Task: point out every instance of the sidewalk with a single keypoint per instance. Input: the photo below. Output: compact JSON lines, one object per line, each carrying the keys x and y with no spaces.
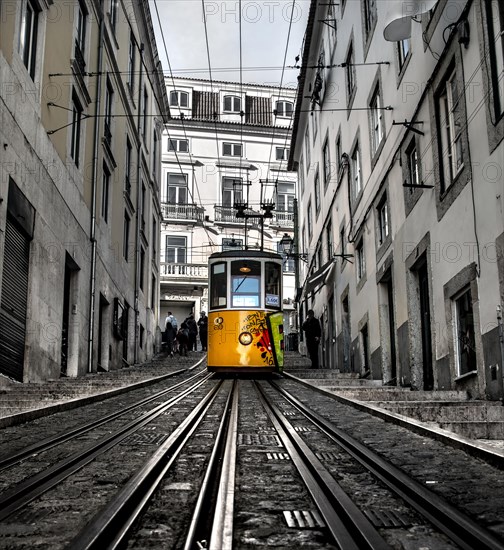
{"x":23,"y":402}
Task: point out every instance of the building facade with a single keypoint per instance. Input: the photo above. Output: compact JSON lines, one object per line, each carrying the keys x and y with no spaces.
{"x":400,"y":154}
{"x":82,"y":105}
{"x":226,"y":145}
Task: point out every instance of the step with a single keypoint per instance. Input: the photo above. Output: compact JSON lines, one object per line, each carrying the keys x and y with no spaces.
{"x":447,"y":411}
{"x":388,"y":393}
{"x":476,"y":430}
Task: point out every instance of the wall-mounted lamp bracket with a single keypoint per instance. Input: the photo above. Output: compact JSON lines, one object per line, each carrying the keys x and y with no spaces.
{"x":409,"y":125}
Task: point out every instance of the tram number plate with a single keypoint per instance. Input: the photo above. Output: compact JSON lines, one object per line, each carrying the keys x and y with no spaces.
{"x":273,"y":300}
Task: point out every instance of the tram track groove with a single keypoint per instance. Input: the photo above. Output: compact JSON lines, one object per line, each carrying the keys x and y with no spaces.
{"x":349,"y":527}
{"x":456,"y":525}
{"x":21,"y":494}
{"x":111,"y":525}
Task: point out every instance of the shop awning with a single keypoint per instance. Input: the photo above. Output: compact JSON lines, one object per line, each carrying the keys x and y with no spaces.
{"x":320,"y":277}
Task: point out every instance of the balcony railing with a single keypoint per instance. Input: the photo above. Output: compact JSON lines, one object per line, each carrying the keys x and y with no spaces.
{"x":189,"y":272}
{"x":189,"y":212}
{"x":282,"y":219}
{"x":227,"y":214}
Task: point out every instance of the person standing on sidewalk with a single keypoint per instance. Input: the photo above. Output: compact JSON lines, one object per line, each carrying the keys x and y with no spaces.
{"x":193,"y":333}
{"x":313,"y":332}
{"x":203,"y":330}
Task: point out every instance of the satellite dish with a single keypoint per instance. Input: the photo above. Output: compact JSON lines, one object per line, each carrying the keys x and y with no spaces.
{"x":398,"y":17}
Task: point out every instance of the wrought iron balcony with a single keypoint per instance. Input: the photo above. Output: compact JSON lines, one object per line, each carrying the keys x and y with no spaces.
{"x":282,"y":219}
{"x":186,"y":272}
{"x":227,"y":214}
{"x":186,"y":212}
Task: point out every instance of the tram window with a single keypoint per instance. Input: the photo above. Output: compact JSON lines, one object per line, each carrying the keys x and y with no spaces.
{"x":218,"y":286}
{"x":272,"y":285}
{"x":245,"y":283}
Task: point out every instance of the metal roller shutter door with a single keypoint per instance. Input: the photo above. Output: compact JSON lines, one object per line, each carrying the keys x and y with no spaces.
{"x":13,"y":302}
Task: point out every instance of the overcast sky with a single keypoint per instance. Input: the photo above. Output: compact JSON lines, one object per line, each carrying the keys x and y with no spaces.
{"x":264,"y":30}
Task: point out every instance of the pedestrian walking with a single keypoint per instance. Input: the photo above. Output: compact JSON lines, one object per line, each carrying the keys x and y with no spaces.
{"x":183,"y":339}
{"x":313,"y":332}
{"x":169,"y":337}
{"x":203,"y":330}
{"x":193,"y":332}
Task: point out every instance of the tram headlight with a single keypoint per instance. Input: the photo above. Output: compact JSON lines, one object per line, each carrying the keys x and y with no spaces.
{"x":245,"y":338}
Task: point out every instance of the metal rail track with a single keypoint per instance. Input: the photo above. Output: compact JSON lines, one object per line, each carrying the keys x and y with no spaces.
{"x":40,"y":446}
{"x":216,"y":497}
{"x":111,"y":526}
{"x":348,"y":526}
{"x":457,"y":526}
{"x":20,"y":495}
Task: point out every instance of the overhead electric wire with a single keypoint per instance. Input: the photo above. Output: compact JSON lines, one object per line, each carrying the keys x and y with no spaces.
{"x":280,"y":89}
{"x":185,"y":134}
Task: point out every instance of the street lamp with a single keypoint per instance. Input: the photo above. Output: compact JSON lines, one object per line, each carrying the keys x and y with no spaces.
{"x":287,"y":248}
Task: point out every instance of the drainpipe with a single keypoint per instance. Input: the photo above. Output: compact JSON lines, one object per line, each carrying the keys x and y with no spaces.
{"x":501,"y":335}
{"x":94,"y":184}
{"x":296,"y":271}
{"x":139,"y":205}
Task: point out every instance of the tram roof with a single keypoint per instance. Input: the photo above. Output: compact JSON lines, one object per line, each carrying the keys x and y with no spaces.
{"x":244,"y":254}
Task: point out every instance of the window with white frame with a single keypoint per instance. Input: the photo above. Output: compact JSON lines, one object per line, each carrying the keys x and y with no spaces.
{"x":127,"y":168}
{"x":28,"y":35}
{"x":109,"y":105}
{"x":282,"y":153}
{"x":145,"y":112}
{"x":464,"y":327}
{"x":403,"y":50}
{"x":316,"y":192}
{"x":179,"y":99}
{"x":232,"y":149}
{"x":451,"y":124}
{"x":326,"y":162}
{"x":376,"y":114}
{"x":370,"y":16}
{"x":329,"y":240}
{"x":383,"y":220}
{"x":350,"y":73}
{"x":126,"y":235}
{"x":412,"y":159}
{"x":113,"y":14}
{"x":177,"y":188}
{"x":131,"y":62}
{"x":232,"y":104}
{"x":360,"y":260}
{"x":76,"y":128}
{"x":176,"y":249}
{"x":232,"y":191}
{"x":80,"y":39}
{"x":495,"y":23}
{"x":307,"y":147}
{"x":339,"y":154}
{"x":105,"y":193}
{"x":285,"y":197}
{"x":309,"y":218}
{"x":301,"y":175}
{"x":284,"y":108}
{"x":355,"y":172}
{"x":178,"y":145}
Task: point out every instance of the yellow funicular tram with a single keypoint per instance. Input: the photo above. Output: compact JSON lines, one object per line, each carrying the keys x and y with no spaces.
{"x":245,"y":318}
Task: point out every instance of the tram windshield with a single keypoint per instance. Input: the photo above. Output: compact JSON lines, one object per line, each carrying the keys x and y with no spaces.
{"x":245,"y":284}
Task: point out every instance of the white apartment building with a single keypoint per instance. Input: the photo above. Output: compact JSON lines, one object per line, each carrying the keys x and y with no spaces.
{"x":226,"y":145}
{"x":400,"y":154}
